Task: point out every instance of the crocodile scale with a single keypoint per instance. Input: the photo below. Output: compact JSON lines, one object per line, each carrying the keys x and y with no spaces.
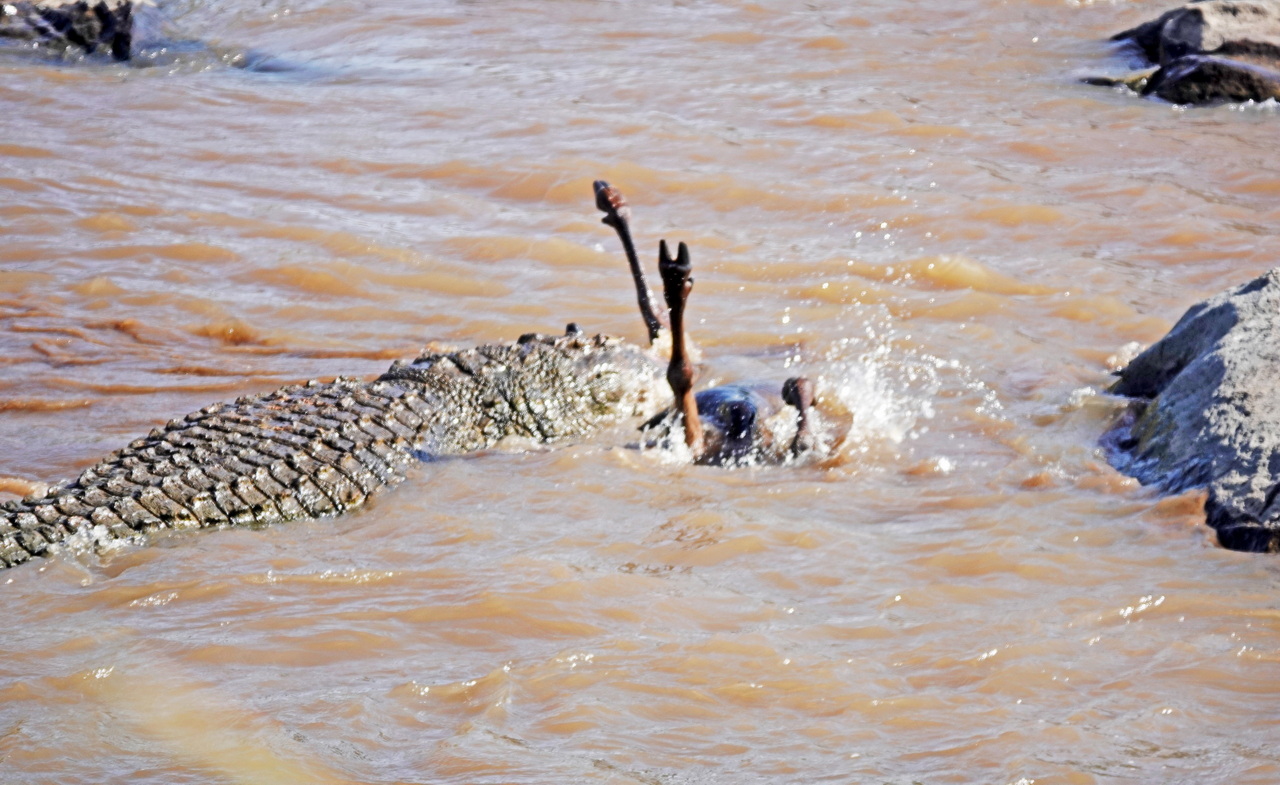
{"x":102,"y":25}
{"x":318,"y":449}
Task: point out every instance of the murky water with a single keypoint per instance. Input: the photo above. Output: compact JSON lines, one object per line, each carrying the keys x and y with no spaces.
{"x":913,"y":202}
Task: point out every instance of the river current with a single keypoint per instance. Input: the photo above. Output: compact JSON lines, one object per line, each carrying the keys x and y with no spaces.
{"x":916,"y":204}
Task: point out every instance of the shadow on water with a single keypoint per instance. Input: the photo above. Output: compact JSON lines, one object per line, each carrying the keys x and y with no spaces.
{"x":187,"y":56}
{"x":197,"y":56}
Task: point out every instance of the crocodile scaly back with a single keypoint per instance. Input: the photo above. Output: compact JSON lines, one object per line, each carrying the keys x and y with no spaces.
{"x":318,"y":449}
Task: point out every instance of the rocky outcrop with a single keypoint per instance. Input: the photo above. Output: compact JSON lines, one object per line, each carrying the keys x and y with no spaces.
{"x":1210,"y":51}
{"x":104,"y":26}
{"x":1196,"y":79}
{"x":1207,"y":412}
{"x":320,"y":449}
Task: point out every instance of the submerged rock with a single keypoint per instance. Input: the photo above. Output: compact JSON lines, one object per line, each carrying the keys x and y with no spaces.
{"x":103,"y":26}
{"x":1208,"y":51}
{"x":1207,"y":412}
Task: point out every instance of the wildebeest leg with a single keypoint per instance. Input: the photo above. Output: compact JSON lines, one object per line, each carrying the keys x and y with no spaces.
{"x":677,"y":281}
{"x":798,"y":392}
{"x":618,"y":215}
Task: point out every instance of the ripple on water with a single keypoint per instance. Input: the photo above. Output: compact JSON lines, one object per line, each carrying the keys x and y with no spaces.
{"x":954,"y":238}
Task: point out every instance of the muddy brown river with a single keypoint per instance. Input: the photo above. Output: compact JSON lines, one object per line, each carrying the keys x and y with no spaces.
{"x":916,"y":204}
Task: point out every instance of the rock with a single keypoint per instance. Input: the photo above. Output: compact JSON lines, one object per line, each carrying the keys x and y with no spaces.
{"x":1196,"y":79}
{"x":1208,"y":413}
{"x":103,"y":26}
{"x":1247,"y":29}
{"x":1209,"y":51}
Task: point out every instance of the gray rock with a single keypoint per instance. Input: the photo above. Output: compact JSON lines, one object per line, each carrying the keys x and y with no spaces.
{"x":104,"y":26}
{"x":1209,"y":51}
{"x":1247,"y":29}
{"x":1196,"y":79}
{"x":1208,"y":412}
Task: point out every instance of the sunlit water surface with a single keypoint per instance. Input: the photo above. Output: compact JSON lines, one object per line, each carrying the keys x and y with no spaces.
{"x":914,"y":203}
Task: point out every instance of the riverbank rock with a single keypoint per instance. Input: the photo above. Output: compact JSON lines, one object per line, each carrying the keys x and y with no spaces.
{"x":1209,"y":51}
{"x":104,"y":26}
{"x":1207,"y":413}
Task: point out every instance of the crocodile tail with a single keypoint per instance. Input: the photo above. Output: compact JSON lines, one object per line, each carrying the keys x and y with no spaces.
{"x":16,"y":544}
{"x":300,"y":452}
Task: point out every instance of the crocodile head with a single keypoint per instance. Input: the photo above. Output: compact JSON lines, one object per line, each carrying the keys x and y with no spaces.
{"x":541,"y":387}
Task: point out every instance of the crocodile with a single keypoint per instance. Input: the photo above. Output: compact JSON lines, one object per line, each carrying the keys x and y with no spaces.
{"x":317,"y":449}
